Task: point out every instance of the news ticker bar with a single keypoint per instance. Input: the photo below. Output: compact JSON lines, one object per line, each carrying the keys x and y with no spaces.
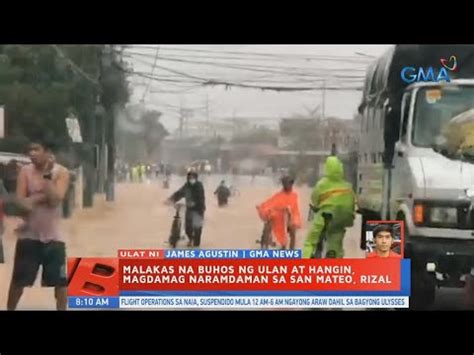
{"x":238,"y":302}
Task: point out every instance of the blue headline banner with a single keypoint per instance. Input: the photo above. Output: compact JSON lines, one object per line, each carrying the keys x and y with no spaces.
{"x":232,"y":254}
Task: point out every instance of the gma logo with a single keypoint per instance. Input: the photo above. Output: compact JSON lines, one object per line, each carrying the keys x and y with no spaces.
{"x":411,"y":74}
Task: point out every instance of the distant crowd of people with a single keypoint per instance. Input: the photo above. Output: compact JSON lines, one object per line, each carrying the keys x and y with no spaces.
{"x":141,"y":172}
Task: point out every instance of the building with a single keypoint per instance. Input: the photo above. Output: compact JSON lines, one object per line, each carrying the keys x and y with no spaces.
{"x":305,"y":143}
{"x":225,"y":127}
{"x":304,"y":134}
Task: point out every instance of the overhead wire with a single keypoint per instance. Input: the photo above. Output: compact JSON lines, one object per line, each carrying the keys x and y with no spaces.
{"x":354,"y":59}
{"x":194,"y":79}
{"x":74,"y":66}
{"x":294,"y":71}
{"x":152,"y":71}
{"x":321,"y":79}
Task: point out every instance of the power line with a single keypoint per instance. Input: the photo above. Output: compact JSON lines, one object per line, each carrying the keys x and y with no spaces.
{"x":336,"y":76}
{"x":166,"y":77}
{"x":152,"y":71}
{"x":75,"y":67}
{"x":148,"y":76}
{"x":247,"y":59}
{"x":294,"y":71}
{"x":166,"y":92}
{"x":354,"y":59}
{"x":340,"y":79}
{"x":213,"y":82}
{"x":257,"y":59}
{"x":279,"y":88}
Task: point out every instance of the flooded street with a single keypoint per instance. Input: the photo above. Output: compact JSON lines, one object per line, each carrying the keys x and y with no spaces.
{"x":138,"y":219}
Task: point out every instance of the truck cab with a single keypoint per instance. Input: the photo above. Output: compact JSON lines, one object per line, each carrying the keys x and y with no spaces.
{"x":410,"y":169}
{"x":432,"y":189}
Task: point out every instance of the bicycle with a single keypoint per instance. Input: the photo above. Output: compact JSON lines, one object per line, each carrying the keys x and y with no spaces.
{"x":234,"y":192}
{"x":321,"y":247}
{"x":266,"y":238}
{"x":176,"y":226}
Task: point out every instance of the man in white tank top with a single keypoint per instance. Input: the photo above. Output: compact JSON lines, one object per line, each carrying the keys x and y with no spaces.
{"x":40,"y":189}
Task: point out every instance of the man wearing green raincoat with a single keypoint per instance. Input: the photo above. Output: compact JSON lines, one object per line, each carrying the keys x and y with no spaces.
{"x":331,"y":195}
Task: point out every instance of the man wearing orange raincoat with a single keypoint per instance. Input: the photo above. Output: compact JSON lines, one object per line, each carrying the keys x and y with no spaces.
{"x":274,"y":210}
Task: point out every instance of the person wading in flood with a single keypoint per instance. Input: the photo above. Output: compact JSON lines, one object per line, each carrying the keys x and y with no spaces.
{"x":275,"y":208}
{"x":193,"y":192}
{"x":222,"y":192}
{"x":40,"y":190}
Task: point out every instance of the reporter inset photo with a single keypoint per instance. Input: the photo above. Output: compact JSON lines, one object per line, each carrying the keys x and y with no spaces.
{"x":384,"y":239}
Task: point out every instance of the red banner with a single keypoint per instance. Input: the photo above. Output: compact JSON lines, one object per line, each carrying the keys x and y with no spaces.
{"x":259,"y":274}
{"x":93,"y":276}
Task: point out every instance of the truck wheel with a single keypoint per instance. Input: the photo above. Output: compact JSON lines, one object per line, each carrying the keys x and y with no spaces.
{"x":469,"y":292}
{"x":423,"y":289}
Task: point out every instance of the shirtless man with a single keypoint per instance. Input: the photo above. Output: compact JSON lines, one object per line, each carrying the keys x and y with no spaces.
{"x":40,"y":189}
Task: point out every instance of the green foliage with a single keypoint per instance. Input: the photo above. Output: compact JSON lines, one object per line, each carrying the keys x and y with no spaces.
{"x":140,"y":138}
{"x":39,"y":88}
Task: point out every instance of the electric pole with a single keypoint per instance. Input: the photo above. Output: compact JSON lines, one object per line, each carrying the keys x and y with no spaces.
{"x":181,"y":119}
{"x":233,"y":124}
{"x":91,"y":162}
{"x":110,"y":131}
{"x":207,"y":116}
{"x":323,"y":104}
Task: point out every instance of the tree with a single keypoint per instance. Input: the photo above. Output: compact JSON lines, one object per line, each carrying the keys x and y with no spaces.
{"x":153,"y":132}
{"x":144,"y":130}
{"x":39,"y":88}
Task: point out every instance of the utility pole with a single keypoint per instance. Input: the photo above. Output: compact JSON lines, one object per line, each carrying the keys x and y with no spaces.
{"x":323,"y":104}
{"x":187,"y":114}
{"x":108,"y":58}
{"x":102,"y":154}
{"x":233,"y":124}
{"x":91,"y":163}
{"x":111,"y":149}
{"x":207,"y":115}
{"x":181,"y":119}
{"x":186,"y":118}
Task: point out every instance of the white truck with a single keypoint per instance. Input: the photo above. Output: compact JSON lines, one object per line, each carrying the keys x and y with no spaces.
{"x":405,"y":174}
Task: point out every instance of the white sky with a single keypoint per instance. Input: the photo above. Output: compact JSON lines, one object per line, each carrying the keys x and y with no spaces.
{"x":303,"y":65}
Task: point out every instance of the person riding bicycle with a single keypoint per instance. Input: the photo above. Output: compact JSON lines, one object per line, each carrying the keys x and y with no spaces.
{"x":273,"y":210}
{"x":332,"y":196}
{"x":193,"y":192}
{"x":223,"y":193}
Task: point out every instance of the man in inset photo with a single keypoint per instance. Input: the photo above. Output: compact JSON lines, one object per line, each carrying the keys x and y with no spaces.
{"x":383,"y":240}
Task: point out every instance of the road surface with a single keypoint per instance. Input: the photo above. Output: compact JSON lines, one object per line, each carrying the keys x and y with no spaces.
{"x":139,"y":219}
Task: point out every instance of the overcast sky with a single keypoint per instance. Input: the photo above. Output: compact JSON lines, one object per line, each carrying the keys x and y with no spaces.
{"x":338,"y":66}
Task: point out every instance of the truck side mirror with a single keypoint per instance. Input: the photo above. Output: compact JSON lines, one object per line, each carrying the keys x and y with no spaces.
{"x":400,"y":149}
{"x":386,"y":107}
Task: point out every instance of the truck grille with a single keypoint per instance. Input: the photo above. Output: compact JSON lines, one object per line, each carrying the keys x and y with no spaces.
{"x":464,"y":222}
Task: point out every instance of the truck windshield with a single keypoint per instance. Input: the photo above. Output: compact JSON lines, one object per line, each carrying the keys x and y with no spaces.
{"x":434,"y":109}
